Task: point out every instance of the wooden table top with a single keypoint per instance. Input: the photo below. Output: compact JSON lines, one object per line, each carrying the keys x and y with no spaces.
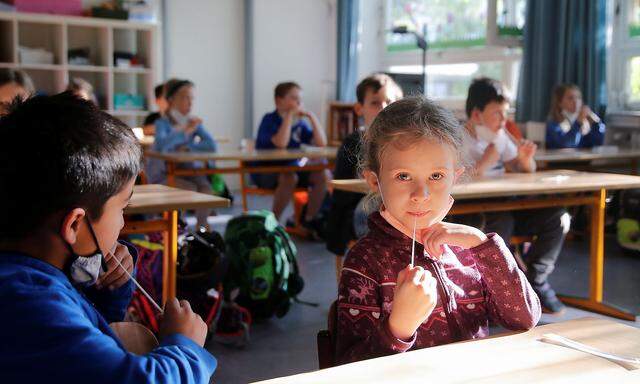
{"x":522,"y":184}
{"x":584,"y":155}
{"x":155,"y":198}
{"x":243,"y":155}
{"x":516,"y":358}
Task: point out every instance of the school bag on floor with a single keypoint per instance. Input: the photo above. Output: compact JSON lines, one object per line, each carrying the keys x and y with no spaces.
{"x":262,"y":264}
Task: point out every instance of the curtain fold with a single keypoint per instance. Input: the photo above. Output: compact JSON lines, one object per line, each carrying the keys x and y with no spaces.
{"x":348,"y":19}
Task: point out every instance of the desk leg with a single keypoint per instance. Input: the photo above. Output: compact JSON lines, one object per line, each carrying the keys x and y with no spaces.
{"x":596,"y":266}
{"x":243,"y":189}
{"x":171,"y":176}
{"x":170,"y":260}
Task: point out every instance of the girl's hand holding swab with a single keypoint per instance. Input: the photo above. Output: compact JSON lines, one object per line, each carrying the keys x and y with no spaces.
{"x":439,"y":234}
{"x":414,"y":299}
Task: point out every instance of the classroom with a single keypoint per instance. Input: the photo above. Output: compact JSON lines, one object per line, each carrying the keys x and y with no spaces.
{"x":320,"y":191}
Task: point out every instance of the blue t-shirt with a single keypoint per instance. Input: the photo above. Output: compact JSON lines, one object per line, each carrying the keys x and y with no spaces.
{"x":301,"y":133}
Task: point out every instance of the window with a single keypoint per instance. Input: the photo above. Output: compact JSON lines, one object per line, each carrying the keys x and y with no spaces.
{"x":634,"y":76}
{"x":624,"y":56}
{"x":634,"y":19}
{"x":447,"y":23}
{"x":466,"y":39}
{"x":510,"y":16}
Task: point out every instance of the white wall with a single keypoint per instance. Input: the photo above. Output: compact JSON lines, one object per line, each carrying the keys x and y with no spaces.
{"x":294,"y":40}
{"x":205,"y":44}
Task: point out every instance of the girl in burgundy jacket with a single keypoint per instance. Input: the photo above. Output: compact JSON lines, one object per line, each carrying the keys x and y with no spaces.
{"x":458,"y":278}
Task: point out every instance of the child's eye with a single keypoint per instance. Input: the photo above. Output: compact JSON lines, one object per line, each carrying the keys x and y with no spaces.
{"x":403,"y":177}
{"x":436,"y":176}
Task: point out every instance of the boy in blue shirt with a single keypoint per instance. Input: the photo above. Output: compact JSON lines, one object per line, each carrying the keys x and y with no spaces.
{"x":290,"y":126}
{"x":60,"y":282}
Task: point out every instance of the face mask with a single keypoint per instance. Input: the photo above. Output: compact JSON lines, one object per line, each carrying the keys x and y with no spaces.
{"x":180,"y":119}
{"x":485,"y":134}
{"x":85,"y":270}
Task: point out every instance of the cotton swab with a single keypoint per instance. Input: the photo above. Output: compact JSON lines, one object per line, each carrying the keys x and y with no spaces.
{"x":413,"y":243}
{"x":139,"y":286}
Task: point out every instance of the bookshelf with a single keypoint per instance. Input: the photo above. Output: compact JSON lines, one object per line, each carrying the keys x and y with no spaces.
{"x":84,"y":47}
{"x":342,"y":121}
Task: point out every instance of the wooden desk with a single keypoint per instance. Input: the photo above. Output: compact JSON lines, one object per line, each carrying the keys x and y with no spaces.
{"x":548,"y":157}
{"x":541,"y":190}
{"x":517,"y":358}
{"x":245,"y":161}
{"x":167,"y":201}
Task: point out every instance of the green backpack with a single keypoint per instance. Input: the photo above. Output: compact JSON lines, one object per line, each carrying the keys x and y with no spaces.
{"x":262,"y":264}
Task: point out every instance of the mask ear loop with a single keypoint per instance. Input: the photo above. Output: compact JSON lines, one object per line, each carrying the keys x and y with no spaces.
{"x":415,"y":224}
{"x":103,"y":263}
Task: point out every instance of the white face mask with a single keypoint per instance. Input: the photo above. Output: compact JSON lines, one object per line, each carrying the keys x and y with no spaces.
{"x":180,"y":119}
{"x":485,"y":134}
{"x":85,"y":270}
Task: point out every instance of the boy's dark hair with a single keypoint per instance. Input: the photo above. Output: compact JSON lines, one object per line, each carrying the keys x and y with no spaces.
{"x":374,"y":83}
{"x":158,"y":91}
{"x":283,"y":88}
{"x":8,"y":75}
{"x":173,"y":86}
{"x":58,"y":153}
{"x":483,"y":91}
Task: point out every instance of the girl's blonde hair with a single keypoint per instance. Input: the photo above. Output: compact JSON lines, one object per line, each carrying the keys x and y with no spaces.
{"x":555,"y":111}
{"x":406,"y":122}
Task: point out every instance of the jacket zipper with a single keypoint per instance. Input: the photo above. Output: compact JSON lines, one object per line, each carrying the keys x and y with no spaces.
{"x":448,"y":302}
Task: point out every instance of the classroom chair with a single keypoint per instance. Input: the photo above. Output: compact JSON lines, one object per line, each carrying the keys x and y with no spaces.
{"x":300,"y":199}
{"x":327,"y":339}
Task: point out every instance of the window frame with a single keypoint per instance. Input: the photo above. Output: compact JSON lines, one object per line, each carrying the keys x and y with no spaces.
{"x":622,"y":49}
{"x":504,"y":49}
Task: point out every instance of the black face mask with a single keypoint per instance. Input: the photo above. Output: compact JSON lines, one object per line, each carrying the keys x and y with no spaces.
{"x":85,"y":269}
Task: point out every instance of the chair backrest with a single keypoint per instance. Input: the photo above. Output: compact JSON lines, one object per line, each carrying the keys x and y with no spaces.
{"x":327,"y":339}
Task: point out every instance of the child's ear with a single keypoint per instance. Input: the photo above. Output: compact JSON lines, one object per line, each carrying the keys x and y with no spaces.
{"x":71,"y":224}
{"x":357,"y":108}
{"x":372,"y":179}
{"x":459,"y":172}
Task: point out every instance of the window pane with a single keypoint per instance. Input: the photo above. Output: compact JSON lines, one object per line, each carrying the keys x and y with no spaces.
{"x":449,"y":23}
{"x":510,"y":17}
{"x":451,"y":81}
{"x":634,"y":19}
{"x":634,"y":77}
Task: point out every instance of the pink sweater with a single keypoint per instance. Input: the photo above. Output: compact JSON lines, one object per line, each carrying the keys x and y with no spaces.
{"x":474,"y":285}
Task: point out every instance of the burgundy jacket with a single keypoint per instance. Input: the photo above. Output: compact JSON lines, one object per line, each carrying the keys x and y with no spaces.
{"x":474,"y":286}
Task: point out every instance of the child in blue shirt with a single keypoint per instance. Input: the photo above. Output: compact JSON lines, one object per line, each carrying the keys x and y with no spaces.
{"x":177,"y":130}
{"x":572,"y":124}
{"x":60,"y":282}
{"x":290,"y":126}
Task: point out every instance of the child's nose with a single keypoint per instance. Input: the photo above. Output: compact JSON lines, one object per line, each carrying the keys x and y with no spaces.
{"x":420,"y":194}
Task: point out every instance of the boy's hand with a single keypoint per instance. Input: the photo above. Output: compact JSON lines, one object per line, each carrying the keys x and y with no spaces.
{"x":179,"y":318}
{"x":414,"y":299}
{"x":439,"y":234}
{"x":490,"y":155}
{"x":526,"y":150}
{"x":192,"y":125}
{"x":115,"y":277}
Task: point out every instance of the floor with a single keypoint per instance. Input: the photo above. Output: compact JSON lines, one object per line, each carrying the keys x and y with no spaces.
{"x":286,"y":346}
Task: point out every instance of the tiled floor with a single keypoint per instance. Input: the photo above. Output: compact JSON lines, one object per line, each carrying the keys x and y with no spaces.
{"x":287,"y":346}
